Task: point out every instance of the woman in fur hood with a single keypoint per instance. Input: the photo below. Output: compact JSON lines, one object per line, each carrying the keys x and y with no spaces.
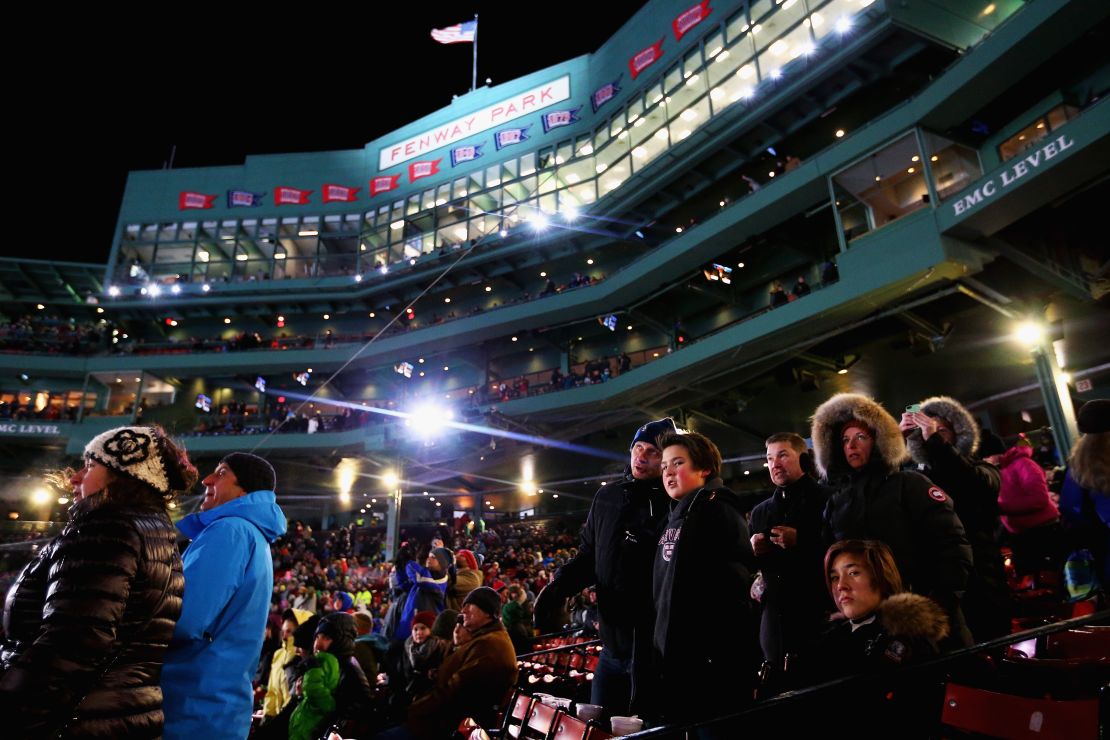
{"x":942,"y":437}
{"x":859,"y":448}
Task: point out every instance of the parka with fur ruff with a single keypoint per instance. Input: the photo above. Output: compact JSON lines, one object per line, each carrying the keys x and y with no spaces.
{"x":914,"y":517}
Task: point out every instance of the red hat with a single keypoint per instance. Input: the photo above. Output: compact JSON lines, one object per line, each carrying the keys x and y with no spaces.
{"x":467,"y":558}
{"x":426,"y":618}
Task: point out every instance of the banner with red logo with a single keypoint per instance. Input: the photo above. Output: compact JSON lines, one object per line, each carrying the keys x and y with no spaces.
{"x":689,"y":18}
{"x":645,"y":58}
{"x":383,"y":184}
{"x":426,"y":168}
{"x":339,"y":193}
{"x":287,"y":196}
{"x":188,"y":199}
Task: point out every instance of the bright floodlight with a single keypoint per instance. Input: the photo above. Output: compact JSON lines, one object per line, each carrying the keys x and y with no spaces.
{"x":570,"y":214}
{"x":428,"y":419}
{"x":539,"y":221}
{"x":390,"y":479}
{"x":528,"y":487}
{"x":113,"y":291}
{"x":843,"y":24}
{"x":1030,"y":333}
{"x":384,"y":269}
{"x":175,"y":289}
{"x":40,"y":496}
{"x":154,"y":291}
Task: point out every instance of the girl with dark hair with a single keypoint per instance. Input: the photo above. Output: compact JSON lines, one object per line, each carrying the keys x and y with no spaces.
{"x":90,"y":617}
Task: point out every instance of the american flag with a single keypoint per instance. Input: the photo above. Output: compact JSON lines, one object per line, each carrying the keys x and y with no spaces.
{"x":460,"y":33}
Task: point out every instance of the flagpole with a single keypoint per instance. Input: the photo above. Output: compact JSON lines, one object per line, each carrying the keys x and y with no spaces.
{"x":474,"y":68}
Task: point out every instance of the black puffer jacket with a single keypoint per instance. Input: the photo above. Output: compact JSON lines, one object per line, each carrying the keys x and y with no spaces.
{"x":88,"y":622}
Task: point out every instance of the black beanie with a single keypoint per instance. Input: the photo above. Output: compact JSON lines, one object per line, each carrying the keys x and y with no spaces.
{"x":252,"y":472}
{"x":652,"y":430}
{"x":486,"y":599}
{"x":342,"y":629}
{"x":1094,"y":417}
{"x":445,"y":624}
{"x":990,"y":444}
{"x":304,"y":634}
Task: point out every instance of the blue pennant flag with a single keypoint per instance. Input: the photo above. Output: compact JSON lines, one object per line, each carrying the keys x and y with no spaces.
{"x":243,"y":198}
{"x":605,"y":93}
{"x":509,"y":136}
{"x":466,"y":153}
{"x":557,"y":118}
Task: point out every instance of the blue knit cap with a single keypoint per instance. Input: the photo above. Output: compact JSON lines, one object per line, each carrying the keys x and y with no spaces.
{"x":650,"y":432}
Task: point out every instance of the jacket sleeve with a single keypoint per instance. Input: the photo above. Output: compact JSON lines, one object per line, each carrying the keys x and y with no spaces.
{"x":214,"y":566}
{"x":580,"y":571}
{"x":90,"y":577}
{"x":939,"y":534}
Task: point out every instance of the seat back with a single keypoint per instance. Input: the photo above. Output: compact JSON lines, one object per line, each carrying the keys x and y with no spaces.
{"x":518,"y":712}
{"x":541,"y":721}
{"x":1006,"y":715}
{"x":570,"y":728}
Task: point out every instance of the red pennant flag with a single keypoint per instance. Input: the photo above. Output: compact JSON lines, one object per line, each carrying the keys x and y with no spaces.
{"x":339,"y":193}
{"x":645,"y":58}
{"x":383,"y":184}
{"x":188,"y":199}
{"x":426,"y":168}
{"x":689,"y":18}
{"x":286,"y":196}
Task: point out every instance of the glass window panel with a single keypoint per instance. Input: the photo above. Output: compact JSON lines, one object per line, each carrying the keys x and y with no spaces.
{"x":952,"y":165}
{"x":672,"y":79}
{"x":547,"y":158}
{"x":578,"y":171}
{"x":784,"y":50}
{"x":584,"y":146}
{"x":459,"y":188}
{"x":714,"y":44}
{"x":680,"y":99}
{"x":477,"y":180}
{"x":528,"y":164}
{"x":614,"y":176}
{"x":584,"y":193}
{"x":736,"y":26}
{"x":890,"y":183}
{"x":413,"y":204}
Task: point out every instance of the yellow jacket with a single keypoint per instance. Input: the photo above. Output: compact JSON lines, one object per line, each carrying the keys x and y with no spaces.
{"x":277,"y":689}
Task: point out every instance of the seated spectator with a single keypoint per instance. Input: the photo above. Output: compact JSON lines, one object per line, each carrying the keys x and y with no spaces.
{"x":336,"y":635}
{"x":517,"y":618}
{"x":467,"y":578}
{"x":422,"y":655}
{"x":778,"y":295}
{"x":473,"y":679}
{"x":318,"y":687}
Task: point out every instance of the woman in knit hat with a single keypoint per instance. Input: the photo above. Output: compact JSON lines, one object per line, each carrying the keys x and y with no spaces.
{"x":90,"y":617}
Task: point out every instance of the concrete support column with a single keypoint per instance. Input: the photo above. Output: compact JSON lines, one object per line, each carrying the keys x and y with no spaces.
{"x":1057,"y":400}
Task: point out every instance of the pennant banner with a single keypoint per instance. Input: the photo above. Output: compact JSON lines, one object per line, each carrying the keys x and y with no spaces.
{"x":339,"y":193}
{"x":188,"y":199}
{"x":426,"y":168}
{"x":605,"y":93}
{"x":689,"y":18}
{"x":465,"y":154}
{"x":509,"y":136}
{"x":645,"y":58}
{"x":243,"y":199}
{"x":383,"y":184}
{"x":286,"y":196}
{"x":557,"y":118}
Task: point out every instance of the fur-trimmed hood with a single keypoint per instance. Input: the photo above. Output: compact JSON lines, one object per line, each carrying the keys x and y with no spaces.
{"x":831,"y":416}
{"x":952,"y":411}
{"x":908,"y":615}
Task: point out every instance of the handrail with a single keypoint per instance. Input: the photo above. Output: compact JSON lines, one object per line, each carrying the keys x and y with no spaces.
{"x":561,"y":648}
{"x":776,"y":702}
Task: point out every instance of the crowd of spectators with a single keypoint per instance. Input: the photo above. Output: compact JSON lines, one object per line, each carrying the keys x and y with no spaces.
{"x":52,"y":334}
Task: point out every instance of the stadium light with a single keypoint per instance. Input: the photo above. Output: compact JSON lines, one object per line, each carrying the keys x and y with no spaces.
{"x":1030,"y":333}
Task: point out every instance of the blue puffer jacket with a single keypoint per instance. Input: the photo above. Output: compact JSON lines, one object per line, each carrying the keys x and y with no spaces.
{"x":229,"y":577}
{"x":428,"y":593}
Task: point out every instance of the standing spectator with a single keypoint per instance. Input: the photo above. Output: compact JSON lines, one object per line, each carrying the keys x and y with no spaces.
{"x":429,"y":587}
{"x":801,"y":287}
{"x":702,"y":562}
{"x":625,"y":363}
{"x":778,"y":295}
{"x":615,"y":554}
{"x":467,"y":578}
{"x":517,"y":618}
{"x":1085,"y":498}
{"x":789,"y":549}
{"x":229,"y":579}
{"x":89,"y":618}
{"x":318,"y":685}
{"x":1028,"y":513}
{"x":942,"y":436}
{"x":830,"y":273}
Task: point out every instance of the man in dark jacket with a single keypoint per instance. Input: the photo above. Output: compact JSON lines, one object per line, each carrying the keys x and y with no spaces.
{"x":789,"y":552}
{"x":615,"y":555}
{"x":859,"y":448}
{"x":336,"y":633}
{"x":942,"y":437}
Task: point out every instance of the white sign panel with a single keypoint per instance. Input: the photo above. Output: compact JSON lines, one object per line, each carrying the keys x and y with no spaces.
{"x":507,"y":110}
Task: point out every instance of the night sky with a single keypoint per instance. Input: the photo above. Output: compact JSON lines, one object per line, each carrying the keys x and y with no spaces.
{"x":221,"y":89}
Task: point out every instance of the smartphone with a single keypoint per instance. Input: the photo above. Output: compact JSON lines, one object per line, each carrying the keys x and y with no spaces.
{"x":913,"y":408}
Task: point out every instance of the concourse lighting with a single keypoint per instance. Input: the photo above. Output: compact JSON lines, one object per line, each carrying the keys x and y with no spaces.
{"x":539,"y":221}
{"x":40,"y":496}
{"x":389,"y":479}
{"x":206,"y":287}
{"x":543,"y":274}
{"x":528,"y":487}
{"x":570,"y":214}
{"x":1030,"y":333}
{"x":384,"y":269}
{"x":175,"y":289}
{"x":227,"y":320}
{"x":488,"y":288}
{"x":504,"y":233}
{"x":514,"y":339}
{"x":241,"y":257}
{"x":99,"y":309}
{"x":154,"y":291}
{"x":776,"y":73}
{"x":843,"y":24}
{"x":358,"y":278}
{"x":327,"y":316}
{"x":373,"y":315}
{"x":915,"y":158}
{"x":113,"y":291}
{"x":446,"y":300}
{"x":840,"y":133}
{"x":308,"y":232}
{"x":63,"y":500}
{"x":590,"y":261}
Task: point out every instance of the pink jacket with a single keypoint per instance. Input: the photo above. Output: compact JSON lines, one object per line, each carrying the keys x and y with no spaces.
{"x":1023,"y":499}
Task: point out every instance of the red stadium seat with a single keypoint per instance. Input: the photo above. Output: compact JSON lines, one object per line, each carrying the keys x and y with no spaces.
{"x":570,"y":728}
{"x":541,"y":721}
{"x":519,"y":710}
{"x":1005,"y":715}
